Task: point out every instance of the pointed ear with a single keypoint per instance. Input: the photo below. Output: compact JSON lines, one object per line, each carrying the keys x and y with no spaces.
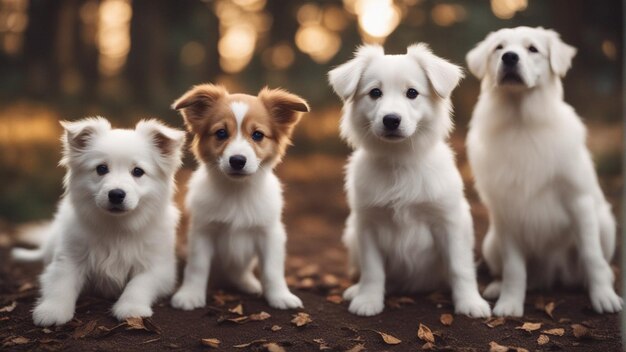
{"x":561,"y":54}
{"x":168,"y":141}
{"x":284,"y":107}
{"x":345,"y":78}
{"x":79,"y":134}
{"x":195,"y":103}
{"x":477,"y":58}
{"x":443,"y":75}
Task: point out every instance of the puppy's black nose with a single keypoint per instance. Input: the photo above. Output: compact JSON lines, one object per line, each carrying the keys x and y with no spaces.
{"x":237,"y":162}
{"x":116,"y":196}
{"x":391,"y":121}
{"x":510,"y":58}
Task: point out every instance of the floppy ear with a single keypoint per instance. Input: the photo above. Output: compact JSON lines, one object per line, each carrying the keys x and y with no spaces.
{"x":284,"y":108}
{"x":168,"y":141}
{"x":78,"y":135}
{"x":561,"y":54}
{"x":195,"y":103}
{"x":345,"y":78}
{"x":477,"y":58}
{"x":443,"y":75}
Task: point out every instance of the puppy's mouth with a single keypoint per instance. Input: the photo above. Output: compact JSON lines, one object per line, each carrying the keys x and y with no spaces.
{"x":117,"y":210}
{"x":237,"y":174}
{"x":392,"y":136}
{"x":511,"y":78}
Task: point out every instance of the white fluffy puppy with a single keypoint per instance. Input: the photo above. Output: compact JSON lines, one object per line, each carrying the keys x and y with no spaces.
{"x":235,"y":199}
{"x":549,"y":221}
{"x":410,"y":227}
{"x":114,"y":231}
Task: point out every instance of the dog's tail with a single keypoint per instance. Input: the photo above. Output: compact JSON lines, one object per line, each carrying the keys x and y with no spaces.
{"x":35,"y":235}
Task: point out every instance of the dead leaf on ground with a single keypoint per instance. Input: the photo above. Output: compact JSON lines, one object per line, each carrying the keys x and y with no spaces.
{"x":357,"y":348}
{"x":15,"y":340}
{"x":543,"y":339}
{"x":103,"y":331}
{"x":495,"y":347}
{"x":329,"y":281}
{"x":337,"y":299}
{"x":446,"y":319}
{"x":273,"y":347}
{"x":139,"y":323}
{"x":549,"y":308}
{"x":580,"y":331}
{"x":213,"y":343}
{"x":428,"y":346}
{"x":260,"y":316}
{"x":276,"y":328}
{"x":425,"y":334}
{"x":301,"y":319}
{"x":398,"y":302}
{"x":529,"y":327}
{"x":237,"y":310}
{"x":9,"y":308}
{"x":306,"y":283}
{"x":555,"y":332}
{"x":84,"y":330}
{"x":438,"y":297}
{"x":322,"y":343}
{"x":255,"y":342}
{"x":388,"y":339}
{"x":309,"y":270}
{"x":220,"y":298}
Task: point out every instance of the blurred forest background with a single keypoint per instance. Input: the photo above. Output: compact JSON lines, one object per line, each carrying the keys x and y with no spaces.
{"x":126,"y":60}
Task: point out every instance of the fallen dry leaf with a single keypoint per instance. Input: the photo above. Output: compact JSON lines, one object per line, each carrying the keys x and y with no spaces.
{"x":398,"y":302}
{"x":389,"y":339}
{"x":301,"y":319}
{"x":46,"y":331}
{"x":428,"y":346}
{"x":237,"y":310}
{"x":446,"y":319}
{"x":555,"y":332}
{"x":255,"y":342}
{"x":543,"y":339}
{"x":493,"y":322}
{"x":309,"y":270}
{"x":306,"y":283}
{"x":103,"y":331}
{"x":9,"y":308}
{"x":357,"y":348}
{"x":213,"y":343}
{"x":425,"y":334}
{"x":529,"y":327}
{"x":239,"y":320}
{"x":334,"y":299}
{"x":329,"y":281}
{"x":15,"y":340}
{"x":276,"y":328}
{"x":273,"y":347}
{"x":135,"y":323}
{"x":221,"y":298}
{"x":495,"y":347}
{"x":84,"y":330}
{"x":549,"y":308}
{"x":260,"y":316}
{"x":322,"y":343}
{"x":580,"y":331}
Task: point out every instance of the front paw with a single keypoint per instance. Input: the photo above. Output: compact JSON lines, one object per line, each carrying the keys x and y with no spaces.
{"x":49,"y":313}
{"x":475,"y":307}
{"x":188,"y":299}
{"x":367,"y":304}
{"x":605,"y":300}
{"x":123,"y":310}
{"x":509,"y":308}
{"x":283,"y":300}
{"x":351,"y":292}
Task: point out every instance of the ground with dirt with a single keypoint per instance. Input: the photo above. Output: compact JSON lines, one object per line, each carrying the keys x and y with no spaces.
{"x":315,"y":211}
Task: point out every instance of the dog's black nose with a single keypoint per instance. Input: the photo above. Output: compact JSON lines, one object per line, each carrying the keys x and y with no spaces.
{"x":391,"y":121}
{"x":116,"y":196}
{"x":510,"y":58}
{"x":237,"y":162}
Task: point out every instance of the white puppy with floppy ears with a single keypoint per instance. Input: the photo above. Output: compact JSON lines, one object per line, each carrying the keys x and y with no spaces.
{"x":549,"y":221}
{"x":115,"y":229}
{"x":410,"y":227}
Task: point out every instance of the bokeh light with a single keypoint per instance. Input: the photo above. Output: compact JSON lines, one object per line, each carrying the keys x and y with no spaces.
{"x":113,"y":36}
{"x":506,"y":9}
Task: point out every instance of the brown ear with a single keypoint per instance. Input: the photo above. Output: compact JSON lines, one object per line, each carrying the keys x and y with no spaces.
{"x":284,"y":107}
{"x":195,"y":103}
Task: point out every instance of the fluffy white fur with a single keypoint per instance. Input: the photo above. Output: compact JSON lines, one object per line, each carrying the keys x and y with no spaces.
{"x":549,"y":221}
{"x":127,"y":249}
{"x":410,"y":227}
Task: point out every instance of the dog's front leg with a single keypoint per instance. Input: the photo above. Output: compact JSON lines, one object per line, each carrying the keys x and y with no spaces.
{"x":454,"y":237}
{"x":369,"y":293}
{"x":61,"y":284}
{"x":192,"y":293}
{"x":271,"y":251}
{"x":597,"y":270}
{"x":143,"y":289}
{"x":513,"y":289}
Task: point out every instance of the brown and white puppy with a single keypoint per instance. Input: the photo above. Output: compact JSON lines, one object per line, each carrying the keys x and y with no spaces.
{"x":234,"y":198}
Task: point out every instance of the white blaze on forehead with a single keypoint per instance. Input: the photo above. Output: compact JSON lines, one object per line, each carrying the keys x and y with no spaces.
{"x":239,"y":110}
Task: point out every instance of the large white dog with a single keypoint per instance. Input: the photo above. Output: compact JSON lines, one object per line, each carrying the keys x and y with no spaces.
{"x":549,"y":221}
{"x":410,"y":227}
{"x":115,"y":229}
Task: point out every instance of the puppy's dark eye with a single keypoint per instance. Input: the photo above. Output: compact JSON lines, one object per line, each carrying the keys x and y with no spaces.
{"x":138,"y":172}
{"x":376,"y":93}
{"x":499,"y":47}
{"x":411,"y":93}
{"x":532,"y":49}
{"x":102,"y":169}
{"x":221,"y":134}
{"x":257,"y":136}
